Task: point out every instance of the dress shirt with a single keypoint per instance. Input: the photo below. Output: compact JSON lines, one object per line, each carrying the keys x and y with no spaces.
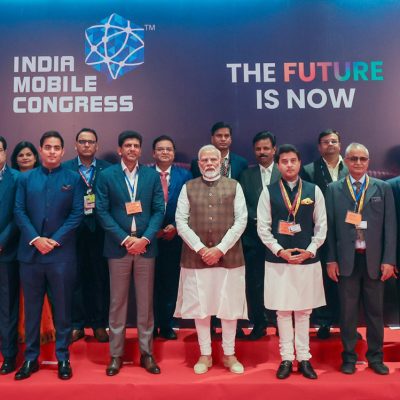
{"x":266,"y":174}
{"x":359,"y":244}
{"x":334,"y":171}
{"x":2,"y":171}
{"x":232,"y":235}
{"x":133,"y":178}
{"x":87,"y":171}
{"x":264,"y":221}
{"x":168,"y":170}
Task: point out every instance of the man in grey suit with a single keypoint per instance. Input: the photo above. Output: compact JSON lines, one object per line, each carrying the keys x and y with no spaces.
{"x":130,"y":208}
{"x":253,"y":180}
{"x":361,"y":253}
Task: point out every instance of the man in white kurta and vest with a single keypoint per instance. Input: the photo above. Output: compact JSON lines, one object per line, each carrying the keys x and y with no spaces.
{"x":211,"y":216}
{"x":291,"y":222}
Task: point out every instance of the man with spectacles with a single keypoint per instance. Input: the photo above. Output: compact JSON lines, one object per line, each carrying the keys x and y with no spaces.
{"x":169,"y":243}
{"x":91,"y":293}
{"x":329,"y":167}
{"x":361,"y":254}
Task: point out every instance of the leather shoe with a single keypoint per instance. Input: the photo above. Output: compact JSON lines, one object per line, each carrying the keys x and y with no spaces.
{"x":348,"y":368}
{"x":148,"y":363}
{"x":257,"y":333}
{"x":307,"y":370}
{"x":64,"y":370}
{"x":77,"y":334}
{"x":324,"y":332}
{"x":240,"y":334}
{"x":284,"y":370}
{"x":379,"y":368}
{"x":168,"y":333}
{"x":8,"y":366}
{"x":114,"y":366}
{"x":27,"y":369}
{"x":101,"y":335}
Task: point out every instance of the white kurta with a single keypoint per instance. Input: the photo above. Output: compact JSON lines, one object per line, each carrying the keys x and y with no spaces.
{"x":291,"y":287}
{"x":216,"y":290}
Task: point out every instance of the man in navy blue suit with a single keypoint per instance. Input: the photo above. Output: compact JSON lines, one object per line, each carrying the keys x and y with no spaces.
{"x":91,"y":293}
{"x":169,"y":243}
{"x":48,"y":209}
{"x":232,"y":164}
{"x":9,"y":281}
{"x":130,"y":208}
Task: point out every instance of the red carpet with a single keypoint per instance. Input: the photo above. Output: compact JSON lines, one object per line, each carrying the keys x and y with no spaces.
{"x":177,"y":380}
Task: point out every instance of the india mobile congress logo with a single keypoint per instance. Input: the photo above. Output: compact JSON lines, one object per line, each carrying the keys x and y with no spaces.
{"x":115,"y":46}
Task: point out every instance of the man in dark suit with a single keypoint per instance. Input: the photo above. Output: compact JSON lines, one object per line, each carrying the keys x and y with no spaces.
{"x":91,"y":294}
{"x":48,"y":209}
{"x":326,"y":169}
{"x":232,"y":164}
{"x":169,"y":243}
{"x":361,"y":253}
{"x":130,"y":208}
{"x":9,"y":281}
{"x":253,"y":180}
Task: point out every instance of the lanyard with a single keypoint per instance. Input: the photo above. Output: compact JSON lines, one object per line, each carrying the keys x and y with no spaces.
{"x":358,"y":198}
{"x":132,"y":187}
{"x":88,"y":182}
{"x":292,"y":208}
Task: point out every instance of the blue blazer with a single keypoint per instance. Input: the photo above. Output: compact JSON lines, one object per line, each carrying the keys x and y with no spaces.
{"x":112,"y":194}
{"x":8,"y":228}
{"x":238,"y":165}
{"x":395,"y":185}
{"x":48,"y":204}
{"x":179,"y":176}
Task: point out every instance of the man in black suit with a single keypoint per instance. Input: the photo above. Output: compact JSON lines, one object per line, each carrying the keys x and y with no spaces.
{"x":326,"y":169}
{"x":361,"y":253}
{"x":91,"y":293}
{"x":232,"y":164}
{"x":253,"y":180}
{"x":9,"y":281}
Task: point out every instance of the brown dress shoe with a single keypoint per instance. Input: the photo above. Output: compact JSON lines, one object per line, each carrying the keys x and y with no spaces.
{"x":77,"y":334}
{"x":148,"y":363}
{"x":114,"y":366}
{"x":101,"y":335}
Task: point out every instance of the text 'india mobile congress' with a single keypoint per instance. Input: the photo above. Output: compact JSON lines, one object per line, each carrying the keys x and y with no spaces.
{"x":298,"y":74}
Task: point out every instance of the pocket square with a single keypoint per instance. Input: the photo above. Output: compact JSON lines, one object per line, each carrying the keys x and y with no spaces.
{"x":376,"y":199}
{"x":307,"y":201}
{"x":66,"y":188}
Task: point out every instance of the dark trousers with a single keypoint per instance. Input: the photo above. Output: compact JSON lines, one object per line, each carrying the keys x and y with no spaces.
{"x":91,"y":297}
{"x":9,"y":306}
{"x":60,"y":278}
{"x":352,"y":289}
{"x":167,"y":271}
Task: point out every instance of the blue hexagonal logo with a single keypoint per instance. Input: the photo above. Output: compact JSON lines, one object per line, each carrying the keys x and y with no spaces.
{"x":115,"y":46}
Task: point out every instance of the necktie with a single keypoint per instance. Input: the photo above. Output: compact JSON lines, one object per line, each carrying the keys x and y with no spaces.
{"x":225,"y":168}
{"x":360,"y":232}
{"x":164,"y":184}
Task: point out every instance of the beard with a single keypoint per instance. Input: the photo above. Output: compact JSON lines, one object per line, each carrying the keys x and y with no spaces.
{"x":210,"y":174}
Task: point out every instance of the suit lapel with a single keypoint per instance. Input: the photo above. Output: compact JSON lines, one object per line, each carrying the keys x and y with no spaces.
{"x":172,"y":181}
{"x":121,"y":183}
{"x":346,"y":191}
{"x":140,"y":182}
{"x":371,"y":190}
{"x":5,"y":183}
{"x":275,"y":176}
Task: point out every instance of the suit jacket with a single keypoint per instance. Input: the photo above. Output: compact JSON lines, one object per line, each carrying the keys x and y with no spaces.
{"x":88,"y":220}
{"x":48,"y":204}
{"x":112,"y":194}
{"x":380,"y":235}
{"x":238,"y":164}
{"x":252,"y":186}
{"x":317,"y":172}
{"x":8,"y":228}
{"x":395,"y":185}
{"x":179,"y":176}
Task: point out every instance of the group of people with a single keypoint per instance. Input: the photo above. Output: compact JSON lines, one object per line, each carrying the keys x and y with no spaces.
{"x":271,"y":243}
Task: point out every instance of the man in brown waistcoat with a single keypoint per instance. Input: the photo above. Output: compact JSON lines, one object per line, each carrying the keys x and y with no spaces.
{"x":211,"y":216}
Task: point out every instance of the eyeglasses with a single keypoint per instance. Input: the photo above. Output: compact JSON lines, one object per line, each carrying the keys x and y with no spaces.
{"x":332,"y":141}
{"x":168,"y":149}
{"x":354,"y":159}
{"x":83,"y":142}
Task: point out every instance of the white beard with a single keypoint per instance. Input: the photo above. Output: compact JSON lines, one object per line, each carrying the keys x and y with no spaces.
{"x":210,"y":174}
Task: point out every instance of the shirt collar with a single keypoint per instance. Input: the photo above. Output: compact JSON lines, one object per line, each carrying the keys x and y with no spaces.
{"x":336,"y":166}
{"x":93,"y":164}
{"x":158,"y":169}
{"x":352,"y":180}
{"x":268,"y":169}
{"x":126,"y":170}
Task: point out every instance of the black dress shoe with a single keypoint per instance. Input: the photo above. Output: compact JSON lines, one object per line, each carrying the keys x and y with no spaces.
{"x":257,"y":333}
{"x":8,"y":366}
{"x":379,"y":368}
{"x":27,"y":369}
{"x":307,"y":370}
{"x":64,"y":370}
{"x":348,"y":368}
{"x":101,"y":335}
{"x":324,"y":332}
{"x":168,"y":333}
{"x":148,"y":363}
{"x":77,"y":334}
{"x":284,"y":370}
{"x":114,"y":366}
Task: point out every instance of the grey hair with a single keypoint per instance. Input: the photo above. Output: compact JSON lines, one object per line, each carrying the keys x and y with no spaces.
{"x":209,"y":147}
{"x":355,"y":146}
